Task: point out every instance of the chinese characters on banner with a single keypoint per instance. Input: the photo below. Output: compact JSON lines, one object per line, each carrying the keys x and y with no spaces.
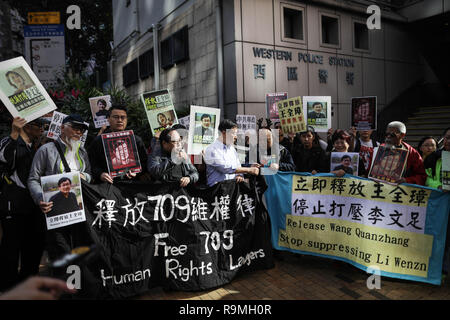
{"x":159,"y":109}
{"x":121,"y":153}
{"x":363,"y":222}
{"x":21,"y":92}
{"x":291,"y":115}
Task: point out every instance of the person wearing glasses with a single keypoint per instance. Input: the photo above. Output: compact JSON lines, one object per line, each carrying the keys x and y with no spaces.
{"x":118,"y":121}
{"x":48,"y":161}
{"x":22,"y":243}
{"x":170,"y":163}
{"x":414,"y":172}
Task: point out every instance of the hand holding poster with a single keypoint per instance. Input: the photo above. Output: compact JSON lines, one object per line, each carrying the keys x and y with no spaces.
{"x":388,"y":164}
{"x":397,"y":228}
{"x":203,"y":128}
{"x":318,"y":112}
{"x":291,"y":115}
{"x":347,"y":161}
{"x":364,"y":113}
{"x":64,"y":191}
{"x":159,"y":109}
{"x":271,"y":104}
{"x":99,"y":109}
{"x":121,"y":153}
{"x":21,"y":92}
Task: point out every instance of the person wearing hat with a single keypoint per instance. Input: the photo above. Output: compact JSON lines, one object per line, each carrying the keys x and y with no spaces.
{"x":23,"y":226}
{"x":49,"y":161}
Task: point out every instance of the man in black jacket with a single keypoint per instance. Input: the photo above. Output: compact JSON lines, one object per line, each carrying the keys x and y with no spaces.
{"x":22,"y":221}
{"x":171,"y":163}
{"x":117,"y":119}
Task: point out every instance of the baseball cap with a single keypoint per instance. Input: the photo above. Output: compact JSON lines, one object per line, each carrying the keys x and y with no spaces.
{"x":75,"y":119}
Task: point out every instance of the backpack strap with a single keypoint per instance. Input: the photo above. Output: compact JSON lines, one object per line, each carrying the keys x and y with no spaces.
{"x":63,"y":158}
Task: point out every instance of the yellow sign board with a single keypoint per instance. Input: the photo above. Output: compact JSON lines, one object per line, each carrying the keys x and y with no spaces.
{"x":44,"y":17}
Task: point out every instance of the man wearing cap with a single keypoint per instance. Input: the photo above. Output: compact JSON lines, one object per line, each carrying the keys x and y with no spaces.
{"x":21,"y":220}
{"x":48,"y":161}
{"x":118,"y":120}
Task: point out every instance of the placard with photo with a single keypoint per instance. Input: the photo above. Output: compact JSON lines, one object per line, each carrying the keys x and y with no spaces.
{"x":317,"y":111}
{"x":159,"y":109}
{"x":271,"y":104}
{"x":388,"y":164}
{"x":364,"y":113}
{"x":100,"y":109}
{"x":121,"y":153}
{"x":203,"y":128}
{"x":21,"y":92}
{"x":64,"y":190}
{"x":292,"y":119}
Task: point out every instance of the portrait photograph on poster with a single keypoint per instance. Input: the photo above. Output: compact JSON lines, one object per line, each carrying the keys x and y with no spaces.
{"x":292,"y":119}
{"x":317,"y":111}
{"x":159,"y":109}
{"x":364,"y":113}
{"x":204,"y":123}
{"x":64,"y":190}
{"x":347,"y":161}
{"x":121,"y":153}
{"x":100,"y":109}
{"x":388,"y":164}
{"x":21,"y":91}
{"x":271,"y":104}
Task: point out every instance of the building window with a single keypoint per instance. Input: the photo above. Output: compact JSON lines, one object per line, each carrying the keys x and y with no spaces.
{"x":292,"y":23}
{"x":130,"y":74}
{"x":360,"y":36}
{"x":329,"y":30}
{"x":146,"y":64}
{"x":175,"y":49}
{"x":127,"y":3}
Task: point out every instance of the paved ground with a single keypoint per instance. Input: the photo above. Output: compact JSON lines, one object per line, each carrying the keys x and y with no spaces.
{"x":299,"y":277}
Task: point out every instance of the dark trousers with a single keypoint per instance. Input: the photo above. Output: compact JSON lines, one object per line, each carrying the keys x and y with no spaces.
{"x":21,"y":247}
{"x":62,"y":240}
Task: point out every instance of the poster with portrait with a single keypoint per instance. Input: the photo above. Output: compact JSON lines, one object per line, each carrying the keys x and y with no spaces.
{"x":364,"y":113}
{"x":121,"y":153}
{"x":185,"y":121}
{"x":271,"y":104}
{"x":317,"y":111}
{"x":388,"y":164}
{"x":291,"y":115}
{"x":159,"y":109}
{"x":54,"y":129}
{"x":203,"y":128}
{"x":446,"y":170}
{"x":347,"y":161}
{"x":100,"y":109}
{"x":64,"y":190}
{"x":21,"y":92}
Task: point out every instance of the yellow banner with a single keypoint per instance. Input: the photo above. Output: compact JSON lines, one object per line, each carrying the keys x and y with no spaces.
{"x":52,"y":17}
{"x":392,"y":251}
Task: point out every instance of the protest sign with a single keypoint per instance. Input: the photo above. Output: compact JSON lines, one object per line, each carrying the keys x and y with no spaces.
{"x":347,"y":161}
{"x":121,"y":153}
{"x":180,"y":238}
{"x":54,"y":129}
{"x":185,"y":121}
{"x":291,"y":115}
{"x":203,"y":128}
{"x":388,"y":164}
{"x":64,"y":190}
{"x":271,"y":104}
{"x":364,"y":113}
{"x":317,"y":111}
{"x":159,"y":109}
{"x":99,"y":109}
{"x":399,"y":229}
{"x":21,"y":92}
{"x":445,"y":170}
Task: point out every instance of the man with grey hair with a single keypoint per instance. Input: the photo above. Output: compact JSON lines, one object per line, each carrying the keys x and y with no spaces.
{"x":414,"y":172}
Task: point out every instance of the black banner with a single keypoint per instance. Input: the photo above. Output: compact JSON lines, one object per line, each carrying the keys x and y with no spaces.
{"x":183,"y":239}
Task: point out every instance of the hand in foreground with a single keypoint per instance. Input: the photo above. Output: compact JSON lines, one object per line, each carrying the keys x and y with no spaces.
{"x":37,"y":288}
{"x":130,"y":175}
{"x":46,"y":206}
{"x":239,"y":179}
{"x":184,"y":181}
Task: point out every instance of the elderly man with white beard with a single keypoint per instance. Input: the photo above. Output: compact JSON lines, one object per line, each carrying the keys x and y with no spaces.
{"x":48,"y":161}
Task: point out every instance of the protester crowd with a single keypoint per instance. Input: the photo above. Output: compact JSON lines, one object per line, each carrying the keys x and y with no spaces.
{"x":25,"y":160}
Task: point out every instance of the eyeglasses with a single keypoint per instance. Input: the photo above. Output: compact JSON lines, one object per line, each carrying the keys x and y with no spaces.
{"x":119,"y":117}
